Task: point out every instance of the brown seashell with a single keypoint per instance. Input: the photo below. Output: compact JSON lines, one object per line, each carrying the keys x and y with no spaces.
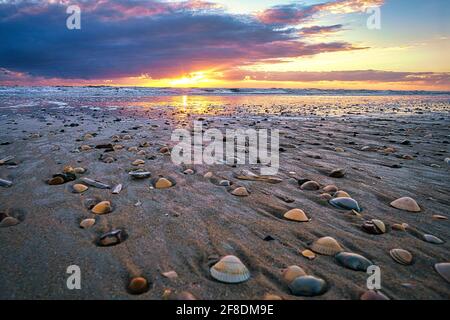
{"x":170,"y":274}
{"x":8,"y":222}
{"x":439,"y":217}
{"x":400,"y":226}
{"x":138,"y":285}
{"x":401,"y":256}
{"x":374,"y":226}
{"x":337,"y":173}
{"x":406,"y":204}
{"x":325,"y":196}
{"x":164,"y":150}
{"x":327,"y":246}
{"x":240,"y":192}
{"x":308,"y":254}
{"x":163,"y":183}
{"x":185,"y":296}
{"x":373,"y":295}
{"x":296,"y":215}
{"x":330,"y":189}
{"x":85,"y":147}
{"x":87,"y":223}
{"x":271,"y":296}
{"x":79,"y":170}
{"x":138,"y":162}
{"x":208,"y":175}
{"x":341,"y":194}
{"x":310,"y":186}
{"x":56,"y":181}
{"x":68,"y":169}
{"x":79,"y":188}
{"x":102,"y":207}
{"x":292,"y":272}
{"x":444,"y":270}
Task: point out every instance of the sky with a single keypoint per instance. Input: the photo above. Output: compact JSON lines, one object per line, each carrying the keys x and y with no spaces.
{"x":329,"y":44}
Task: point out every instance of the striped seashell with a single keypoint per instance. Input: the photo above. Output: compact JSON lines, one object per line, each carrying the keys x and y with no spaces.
{"x":292,"y":272}
{"x":444,"y":270}
{"x":230,"y":269}
{"x":327,"y":246}
{"x":406,"y":204}
{"x":401,"y":256}
{"x":296,"y":215}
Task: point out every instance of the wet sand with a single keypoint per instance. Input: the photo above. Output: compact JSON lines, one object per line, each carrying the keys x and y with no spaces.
{"x":185,"y":227}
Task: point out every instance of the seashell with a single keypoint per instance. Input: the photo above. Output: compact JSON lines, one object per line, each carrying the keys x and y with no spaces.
{"x":127,"y":137}
{"x":138,"y":162}
{"x":79,"y":170}
{"x":79,"y":188}
{"x":292,"y":272}
{"x":139,"y":174}
{"x":102,"y":208}
{"x":108,"y":160}
{"x":355,"y":213}
{"x":164,"y":150}
{"x":118,"y":147}
{"x":133,"y":149}
{"x":326,"y":197}
{"x":400,"y":226}
{"x":353,"y":261}
{"x":271,"y":297}
{"x":339,"y":149}
{"x":88,"y":136}
{"x":373,"y":295}
{"x":230,"y":269}
{"x":406,"y":204}
{"x":330,"y":189}
{"x":439,"y":217}
{"x":58,"y":180}
{"x":248,"y":175}
{"x":85,"y":147}
{"x":341,"y":194}
{"x":401,"y":256}
{"x":374,"y":226}
{"x":117,"y":189}
{"x":308,"y":254}
{"x":208,"y":175}
{"x":138,"y":285}
{"x":240,"y":192}
{"x":296,"y":215}
{"x":447,"y":161}
{"x":6,"y":183}
{"x":432,"y":239}
{"x":337,"y":173}
{"x":68,"y":169}
{"x":6,"y":160}
{"x":188,"y":171}
{"x":310,"y":186}
{"x":327,"y":246}
{"x":444,"y":270}
{"x":112,"y":238}
{"x":96,"y":184}
{"x":170,"y":274}
{"x":225,"y":183}
{"x":345,"y":204}
{"x":185,"y":296}
{"x":163,"y":183}
{"x":87,"y":223}
{"x":8,"y":221}
{"x":308,"y":286}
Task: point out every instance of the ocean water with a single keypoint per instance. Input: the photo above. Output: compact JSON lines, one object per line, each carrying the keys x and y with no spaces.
{"x":225,"y":101}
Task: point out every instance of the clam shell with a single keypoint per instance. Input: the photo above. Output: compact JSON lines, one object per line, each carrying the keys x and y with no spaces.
{"x":55,"y":181}
{"x":337,"y":173}
{"x":79,"y":170}
{"x":112,"y":238}
{"x":79,"y":188}
{"x":271,"y":296}
{"x":432,"y":239}
{"x":308,"y":286}
{"x":8,"y":222}
{"x":138,"y":285}
{"x":240,"y":192}
{"x":406,"y":204}
{"x":373,"y":295}
{"x":439,"y":217}
{"x":345,"y":204}
{"x":117,"y":189}
{"x":139,"y":174}
{"x":163,"y":183}
{"x":330,"y":189}
{"x":444,"y":270}
{"x":341,"y":194}
{"x":353,"y":261}
{"x":292,"y":272}
{"x":327,"y":246}
{"x":103,"y":207}
{"x":296,"y":215}
{"x":87,"y":223}
{"x":400,"y":226}
{"x":374,"y":226}
{"x":308,"y":254}
{"x":230,"y":269}
{"x":310,"y":185}
{"x":138,"y":162}
{"x":401,"y":256}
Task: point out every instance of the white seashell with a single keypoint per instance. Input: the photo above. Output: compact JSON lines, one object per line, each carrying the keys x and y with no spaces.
{"x":230,"y":270}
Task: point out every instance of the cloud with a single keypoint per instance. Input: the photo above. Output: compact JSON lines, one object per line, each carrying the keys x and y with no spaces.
{"x":318,"y":30}
{"x":119,"y":38}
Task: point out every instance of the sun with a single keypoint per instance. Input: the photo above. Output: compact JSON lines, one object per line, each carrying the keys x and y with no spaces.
{"x":194,"y":78}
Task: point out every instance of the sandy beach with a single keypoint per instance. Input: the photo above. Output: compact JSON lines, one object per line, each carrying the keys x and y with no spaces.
{"x":388,"y":148}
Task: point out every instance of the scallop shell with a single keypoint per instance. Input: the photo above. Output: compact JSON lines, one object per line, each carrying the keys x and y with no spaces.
{"x":292,"y":272}
{"x":138,"y":285}
{"x":308,"y":286}
{"x":401,"y":256}
{"x":230,"y":269}
{"x":353,"y":261}
{"x":310,"y":185}
{"x":240,"y":192}
{"x":432,"y":239}
{"x":374,"y":227}
{"x":330,"y":189}
{"x":345,"y":204}
{"x":296,"y":215}
{"x":406,"y":204}
{"x":327,"y":246}
{"x":103,"y":207}
{"x":79,"y":188}
{"x":87,"y":223}
{"x":444,"y":270}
